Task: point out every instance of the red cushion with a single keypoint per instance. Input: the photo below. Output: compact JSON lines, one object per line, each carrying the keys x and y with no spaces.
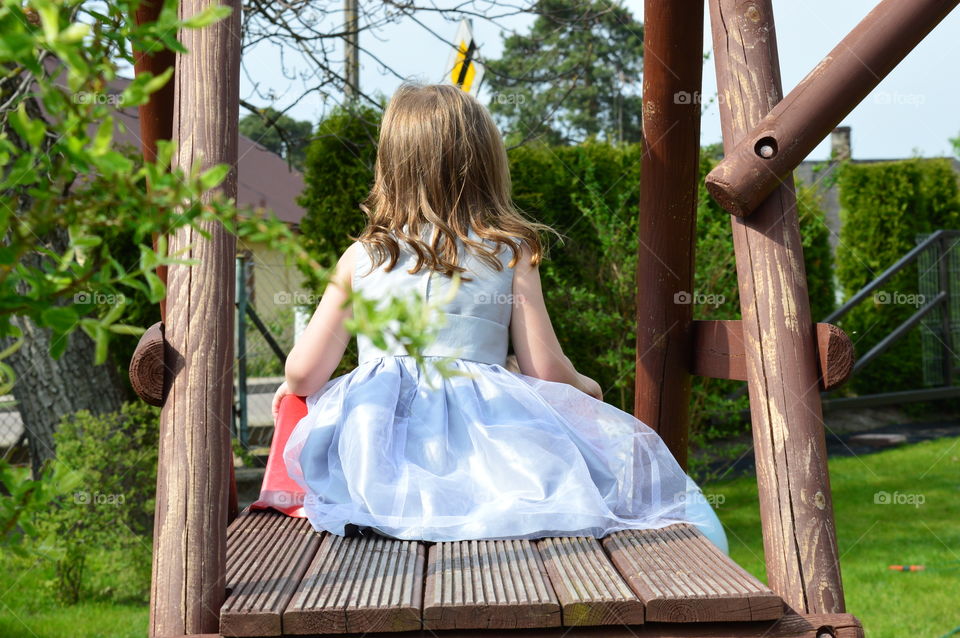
{"x":279,"y":491}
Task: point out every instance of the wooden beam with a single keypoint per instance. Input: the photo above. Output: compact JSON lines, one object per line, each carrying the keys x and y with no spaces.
{"x":718,"y":352}
{"x":194,"y":462}
{"x":796,"y":507}
{"x":790,"y":626}
{"x":794,"y":127}
{"x":669,"y":175}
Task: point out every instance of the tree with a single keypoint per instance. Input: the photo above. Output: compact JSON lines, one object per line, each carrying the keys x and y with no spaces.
{"x":67,"y":193}
{"x":338,"y":175}
{"x":280,"y":133}
{"x":573,"y":76}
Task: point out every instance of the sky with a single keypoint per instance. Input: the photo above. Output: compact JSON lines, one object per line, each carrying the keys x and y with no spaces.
{"x":914,"y":111}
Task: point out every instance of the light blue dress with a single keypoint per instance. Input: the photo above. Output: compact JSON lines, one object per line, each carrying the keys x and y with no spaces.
{"x":486,"y":454}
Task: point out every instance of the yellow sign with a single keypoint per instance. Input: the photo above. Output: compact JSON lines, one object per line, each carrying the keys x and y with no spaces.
{"x":463,"y":69}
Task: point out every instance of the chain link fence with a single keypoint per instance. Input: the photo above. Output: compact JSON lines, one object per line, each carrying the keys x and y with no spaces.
{"x":11,"y":426}
{"x":275,"y":308}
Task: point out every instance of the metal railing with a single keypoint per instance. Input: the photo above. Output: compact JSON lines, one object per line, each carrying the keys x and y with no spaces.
{"x":944,"y":242}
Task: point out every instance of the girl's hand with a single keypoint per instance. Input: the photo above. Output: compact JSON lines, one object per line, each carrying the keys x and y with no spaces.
{"x":282,"y":391}
{"x":589,"y":386}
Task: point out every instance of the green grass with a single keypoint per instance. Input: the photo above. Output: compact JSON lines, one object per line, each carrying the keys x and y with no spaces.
{"x":29,"y":607}
{"x":871,"y":536}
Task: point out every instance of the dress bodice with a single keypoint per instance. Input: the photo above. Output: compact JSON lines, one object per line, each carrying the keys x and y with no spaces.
{"x":477,"y":316}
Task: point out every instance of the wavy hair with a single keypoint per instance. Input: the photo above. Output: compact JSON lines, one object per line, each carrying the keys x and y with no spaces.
{"x":441,"y":161}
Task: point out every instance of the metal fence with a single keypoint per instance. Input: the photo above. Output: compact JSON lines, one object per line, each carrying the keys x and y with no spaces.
{"x":272,"y":304}
{"x":937,"y":317}
{"x":11,"y":425}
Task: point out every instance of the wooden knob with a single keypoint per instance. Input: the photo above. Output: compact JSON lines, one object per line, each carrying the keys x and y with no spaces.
{"x":148,"y":371}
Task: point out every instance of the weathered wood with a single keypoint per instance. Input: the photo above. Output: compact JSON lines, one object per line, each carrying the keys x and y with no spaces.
{"x":267,"y":554}
{"x":835,"y":356}
{"x":359,"y":584}
{"x":490,"y":584}
{"x":149,"y":375}
{"x":194,"y":462}
{"x":796,"y":507}
{"x":588,"y":586}
{"x":673,"y":67}
{"x":794,"y":127}
{"x":790,"y":626}
{"x":682,"y":577}
{"x":718,"y":352}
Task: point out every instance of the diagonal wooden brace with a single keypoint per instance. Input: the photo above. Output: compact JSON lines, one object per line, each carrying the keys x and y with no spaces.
{"x":786,"y":135}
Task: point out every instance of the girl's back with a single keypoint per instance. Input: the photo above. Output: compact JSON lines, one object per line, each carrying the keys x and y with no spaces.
{"x":476,"y":312}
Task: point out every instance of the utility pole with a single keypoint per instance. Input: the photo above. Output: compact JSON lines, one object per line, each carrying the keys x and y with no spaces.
{"x":351,"y":50}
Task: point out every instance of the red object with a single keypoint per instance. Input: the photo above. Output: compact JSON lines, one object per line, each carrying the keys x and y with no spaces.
{"x":279,"y":491}
{"x":907,"y":568}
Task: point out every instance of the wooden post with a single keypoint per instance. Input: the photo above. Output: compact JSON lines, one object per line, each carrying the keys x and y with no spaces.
{"x":673,"y":69}
{"x":796,"y":507}
{"x":781,"y":140}
{"x":194,"y":463}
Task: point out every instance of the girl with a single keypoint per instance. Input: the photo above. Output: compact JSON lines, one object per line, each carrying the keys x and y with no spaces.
{"x":486,"y":453}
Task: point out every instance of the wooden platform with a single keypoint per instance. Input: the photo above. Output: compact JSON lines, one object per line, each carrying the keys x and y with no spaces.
{"x":285,"y":579}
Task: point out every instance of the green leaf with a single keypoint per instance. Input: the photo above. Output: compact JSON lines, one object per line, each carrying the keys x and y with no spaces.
{"x":157,"y":289}
{"x":59,"y":318}
{"x":214,"y":176}
{"x":29,"y":130}
{"x":50,"y":19}
{"x":208,"y":16}
{"x":101,"y":141}
{"x":74,"y":33}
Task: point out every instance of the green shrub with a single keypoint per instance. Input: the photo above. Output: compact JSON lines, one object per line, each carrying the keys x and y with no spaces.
{"x":115,"y":456}
{"x":338,"y":174}
{"x":883,"y":207}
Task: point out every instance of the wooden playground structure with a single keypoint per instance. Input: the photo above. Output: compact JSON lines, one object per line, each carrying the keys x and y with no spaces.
{"x":219,"y":571}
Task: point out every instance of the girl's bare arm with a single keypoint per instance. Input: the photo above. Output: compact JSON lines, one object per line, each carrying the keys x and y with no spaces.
{"x":535,"y":343}
{"x":320,"y":348}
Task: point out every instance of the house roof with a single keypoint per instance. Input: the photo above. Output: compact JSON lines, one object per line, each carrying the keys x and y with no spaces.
{"x":263,"y":178}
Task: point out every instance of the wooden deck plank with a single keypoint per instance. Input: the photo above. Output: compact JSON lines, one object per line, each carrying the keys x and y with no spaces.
{"x":487,"y":584}
{"x":682,"y":577}
{"x":588,"y":586}
{"x":359,"y":584}
{"x":267,"y":553}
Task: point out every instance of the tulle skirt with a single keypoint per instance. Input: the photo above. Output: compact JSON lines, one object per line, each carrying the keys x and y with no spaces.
{"x":487,"y":453}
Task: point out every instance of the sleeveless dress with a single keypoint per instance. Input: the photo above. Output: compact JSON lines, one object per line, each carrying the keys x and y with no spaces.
{"x":485,"y":454}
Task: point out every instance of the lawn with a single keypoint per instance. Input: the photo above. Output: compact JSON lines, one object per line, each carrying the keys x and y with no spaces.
{"x":921,"y":525}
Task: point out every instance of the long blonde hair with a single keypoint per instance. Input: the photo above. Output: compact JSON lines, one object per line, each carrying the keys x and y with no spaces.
{"x":441,"y":161}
